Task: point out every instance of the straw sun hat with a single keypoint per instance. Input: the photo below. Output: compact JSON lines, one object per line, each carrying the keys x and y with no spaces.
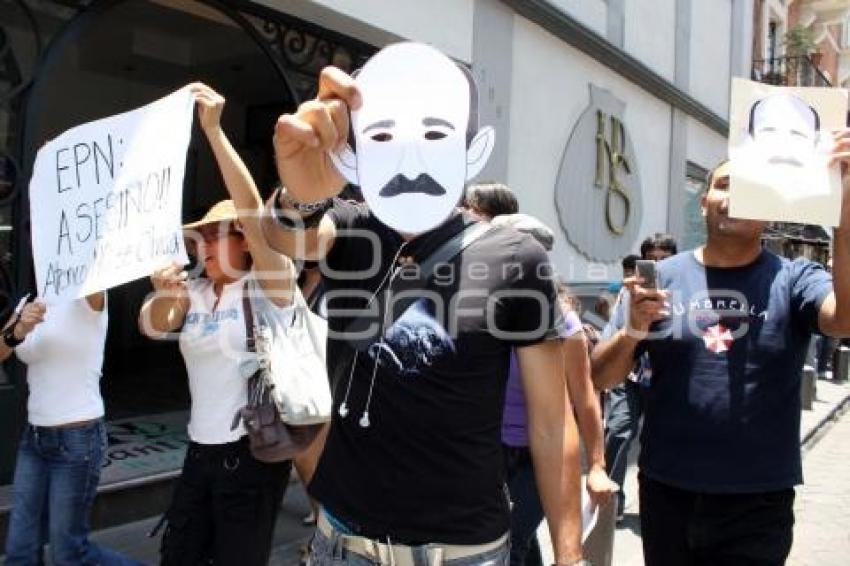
{"x":222,"y":211}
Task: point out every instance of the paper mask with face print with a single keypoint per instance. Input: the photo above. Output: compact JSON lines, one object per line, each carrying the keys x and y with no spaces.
{"x":785,"y":129}
{"x":416,"y":140}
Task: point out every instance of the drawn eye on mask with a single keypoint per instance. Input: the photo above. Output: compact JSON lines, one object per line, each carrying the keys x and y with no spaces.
{"x":416,"y":137}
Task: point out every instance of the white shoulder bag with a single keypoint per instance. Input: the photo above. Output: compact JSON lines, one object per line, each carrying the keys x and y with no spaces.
{"x":292,"y":353}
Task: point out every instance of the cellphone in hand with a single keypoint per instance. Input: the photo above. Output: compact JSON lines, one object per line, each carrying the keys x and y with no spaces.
{"x":645,"y":269}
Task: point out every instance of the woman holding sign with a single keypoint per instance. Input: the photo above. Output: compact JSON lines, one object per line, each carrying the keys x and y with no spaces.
{"x":61,"y":450}
{"x":225,"y":504}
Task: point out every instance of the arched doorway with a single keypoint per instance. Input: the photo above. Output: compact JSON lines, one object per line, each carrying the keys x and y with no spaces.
{"x":101,"y":57}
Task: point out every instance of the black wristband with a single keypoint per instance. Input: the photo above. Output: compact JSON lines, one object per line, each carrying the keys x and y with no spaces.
{"x":9,"y":337}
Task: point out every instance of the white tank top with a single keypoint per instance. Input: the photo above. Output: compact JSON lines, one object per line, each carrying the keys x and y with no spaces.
{"x":64,"y":357}
{"x":212,"y":342}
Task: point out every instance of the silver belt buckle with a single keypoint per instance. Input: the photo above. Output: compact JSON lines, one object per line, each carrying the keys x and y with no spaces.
{"x":373,"y":549}
{"x":435,"y":555}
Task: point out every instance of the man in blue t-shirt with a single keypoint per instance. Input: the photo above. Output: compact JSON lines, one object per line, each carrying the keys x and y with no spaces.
{"x":726,"y":335}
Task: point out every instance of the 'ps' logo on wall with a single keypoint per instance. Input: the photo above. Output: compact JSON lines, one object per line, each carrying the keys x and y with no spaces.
{"x":598,"y":189}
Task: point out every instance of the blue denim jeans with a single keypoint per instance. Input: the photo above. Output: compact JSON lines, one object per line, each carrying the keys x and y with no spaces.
{"x":527,"y":511}
{"x":325,"y":551}
{"x":56,"y":477}
{"x":625,"y":407}
{"x":825,"y":347}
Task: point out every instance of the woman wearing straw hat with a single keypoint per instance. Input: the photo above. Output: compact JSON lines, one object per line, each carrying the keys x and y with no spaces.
{"x":225,"y":504}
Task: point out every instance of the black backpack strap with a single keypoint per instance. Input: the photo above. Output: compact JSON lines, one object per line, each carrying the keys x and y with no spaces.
{"x":451,"y":248}
{"x":358,"y":330}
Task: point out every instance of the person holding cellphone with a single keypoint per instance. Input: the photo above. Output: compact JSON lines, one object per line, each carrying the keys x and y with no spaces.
{"x":726,"y":333}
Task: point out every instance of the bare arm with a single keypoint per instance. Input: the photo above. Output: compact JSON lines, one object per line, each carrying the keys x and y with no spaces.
{"x":275,"y":272}
{"x":311,"y":243}
{"x":834,"y":314}
{"x":588,"y":417}
{"x":301,"y":144}
{"x":31,"y":316}
{"x":165,"y":309}
{"x":6,"y":351}
{"x":97,"y":301}
{"x":613,"y":359}
{"x":306,"y":462}
{"x":554,"y":445}
{"x":585,"y":400}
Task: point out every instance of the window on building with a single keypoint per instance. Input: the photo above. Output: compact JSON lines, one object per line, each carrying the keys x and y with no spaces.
{"x":693,"y":233}
{"x":771,"y":40}
{"x":845,"y":33}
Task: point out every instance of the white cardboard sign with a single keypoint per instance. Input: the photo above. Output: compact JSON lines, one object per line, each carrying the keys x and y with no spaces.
{"x":416,"y":137}
{"x":589,"y":511}
{"x":780,"y":140}
{"x":106,"y":199}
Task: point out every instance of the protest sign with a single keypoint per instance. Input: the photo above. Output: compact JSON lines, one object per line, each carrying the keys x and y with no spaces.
{"x":779,"y":143}
{"x":106,"y":199}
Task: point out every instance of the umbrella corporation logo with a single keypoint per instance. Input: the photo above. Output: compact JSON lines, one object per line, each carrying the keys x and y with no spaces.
{"x":718,"y":318}
{"x":718,"y":338}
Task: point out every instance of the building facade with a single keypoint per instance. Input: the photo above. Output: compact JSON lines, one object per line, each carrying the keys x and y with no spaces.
{"x":608,"y":113}
{"x":802,"y":42}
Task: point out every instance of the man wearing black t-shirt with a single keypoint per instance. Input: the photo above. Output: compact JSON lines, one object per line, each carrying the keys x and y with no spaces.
{"x":412,"y":469}
{"x":726,"y":336}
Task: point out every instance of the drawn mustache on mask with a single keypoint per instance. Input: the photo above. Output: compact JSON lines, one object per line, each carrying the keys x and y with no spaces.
{"x":400,"y":185}
{"x":785,"y":160}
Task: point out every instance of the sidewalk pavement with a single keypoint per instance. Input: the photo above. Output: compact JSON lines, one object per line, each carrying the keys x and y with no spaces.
{"x":132,"y":539}
{"x":822,"y":506}
{"x":831,"y":398}
{"x":290,"y":534}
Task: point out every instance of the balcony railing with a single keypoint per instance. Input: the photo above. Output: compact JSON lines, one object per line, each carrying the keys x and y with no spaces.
{"x":789,"y":71}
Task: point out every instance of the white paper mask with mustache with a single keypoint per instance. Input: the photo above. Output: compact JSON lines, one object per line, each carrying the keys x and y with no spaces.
{"x":785,"y":129}
{"x":416,"y":137}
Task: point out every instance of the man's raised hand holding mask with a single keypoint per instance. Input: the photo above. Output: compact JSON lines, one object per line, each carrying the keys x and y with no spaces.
{"x":303,"y":140}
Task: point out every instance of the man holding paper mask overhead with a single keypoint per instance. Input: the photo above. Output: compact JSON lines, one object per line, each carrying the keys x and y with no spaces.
{"x":424,"y":306}
{"x":726,"y":332}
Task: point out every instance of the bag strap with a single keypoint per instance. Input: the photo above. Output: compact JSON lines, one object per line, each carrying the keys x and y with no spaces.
{"x":446,"y":252}
{"x":248,"y":315}
{"x":316,"y":295}
{"x":250,"y":344}
{"x":450,"y":248}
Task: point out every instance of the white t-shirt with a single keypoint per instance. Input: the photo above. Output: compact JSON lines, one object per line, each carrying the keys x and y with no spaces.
{"x":212,"y":342}
{"x":64,"y":357}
